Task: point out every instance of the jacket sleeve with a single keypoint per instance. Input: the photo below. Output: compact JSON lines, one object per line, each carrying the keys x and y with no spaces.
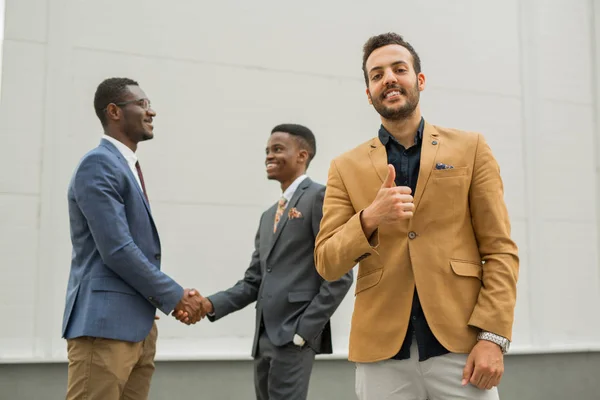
{"x":97,"y":193}
{"x":330,"y":295}
{"x":244,"y":292}
{"x":494,"y":311}
{"x":341,"y":242}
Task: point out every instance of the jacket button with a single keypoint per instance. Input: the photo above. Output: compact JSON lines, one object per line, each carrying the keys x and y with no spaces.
{"x":157,"y":257}
{"x":412,"y":235}
{"x":268,"y":269}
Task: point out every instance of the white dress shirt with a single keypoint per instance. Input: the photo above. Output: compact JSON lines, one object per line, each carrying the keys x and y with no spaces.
{"x":129,"y":156}
{"x":289,"y":192}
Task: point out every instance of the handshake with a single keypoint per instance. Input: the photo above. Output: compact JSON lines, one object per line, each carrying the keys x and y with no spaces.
{"x":192,"y":307}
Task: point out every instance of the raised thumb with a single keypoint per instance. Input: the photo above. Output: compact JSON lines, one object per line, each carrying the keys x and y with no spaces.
{"x":391,"y":177}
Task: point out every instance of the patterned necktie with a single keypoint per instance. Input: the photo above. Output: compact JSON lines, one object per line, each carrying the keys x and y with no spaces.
{"x":139,"y":171}
{"x":279,"y":213}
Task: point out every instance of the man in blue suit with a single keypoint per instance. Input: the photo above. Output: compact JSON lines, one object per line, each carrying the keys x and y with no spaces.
{"x":115,"y":283}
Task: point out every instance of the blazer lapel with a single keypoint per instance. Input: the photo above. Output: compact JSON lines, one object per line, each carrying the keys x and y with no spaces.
{"x":378,"y":157}
{"x":128,"y":171}
{"x":429,"y":147}
{"x":284,"y":218}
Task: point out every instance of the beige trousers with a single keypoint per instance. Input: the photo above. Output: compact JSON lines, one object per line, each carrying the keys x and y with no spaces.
{"x":106,"y":369}
{"x":438,"y":378}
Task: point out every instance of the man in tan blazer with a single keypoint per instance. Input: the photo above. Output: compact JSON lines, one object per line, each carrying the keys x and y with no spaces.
{"x":420,"y":208}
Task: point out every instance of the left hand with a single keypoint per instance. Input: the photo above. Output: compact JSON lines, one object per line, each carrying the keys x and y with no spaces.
{"x":206,"y":307}
{"x":485,"y":365}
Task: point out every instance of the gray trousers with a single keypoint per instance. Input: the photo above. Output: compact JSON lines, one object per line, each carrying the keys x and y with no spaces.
{"x":282,"y":373}
{"x":438,"y":378}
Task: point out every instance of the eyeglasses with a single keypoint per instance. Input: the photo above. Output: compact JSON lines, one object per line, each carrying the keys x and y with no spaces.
{"x":143,"y":102}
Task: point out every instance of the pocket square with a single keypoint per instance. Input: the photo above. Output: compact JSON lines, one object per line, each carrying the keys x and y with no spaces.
{"x":294,"y":213}
{"x":443,"y":166}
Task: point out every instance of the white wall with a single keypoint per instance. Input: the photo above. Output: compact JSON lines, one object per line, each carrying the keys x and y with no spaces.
{"x":222,"y":75}
{"x":1,"y":37}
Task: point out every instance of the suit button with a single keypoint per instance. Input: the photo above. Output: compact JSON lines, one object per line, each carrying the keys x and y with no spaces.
{"x":151,"y":298}
{"x":412,"y":235}
{"x":157,"y":257}
{"x":268,"y":269}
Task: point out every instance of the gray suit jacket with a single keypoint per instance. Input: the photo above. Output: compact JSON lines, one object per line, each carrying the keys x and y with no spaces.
{"x":115,"y":283}
{"x":291,"y":296}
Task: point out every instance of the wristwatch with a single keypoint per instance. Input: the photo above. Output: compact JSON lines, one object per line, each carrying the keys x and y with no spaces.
{"x":501,"y":341}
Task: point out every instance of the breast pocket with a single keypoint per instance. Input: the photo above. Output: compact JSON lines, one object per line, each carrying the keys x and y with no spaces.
{"x":296,"y":225}
{"x":450,"y":172}
{"x":446,"y":193}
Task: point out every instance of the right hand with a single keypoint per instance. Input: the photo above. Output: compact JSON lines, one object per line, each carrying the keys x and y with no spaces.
{"x":391,"y":205}
{"x":189,"y":310}
{"x":206,"y":307}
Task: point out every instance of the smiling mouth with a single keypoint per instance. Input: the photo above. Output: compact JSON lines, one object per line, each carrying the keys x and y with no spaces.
{"x":392,"y":94}
{"x":271,"y":166}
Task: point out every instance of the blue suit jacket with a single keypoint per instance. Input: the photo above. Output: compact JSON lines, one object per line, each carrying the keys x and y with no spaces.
{"x":115,"y":283}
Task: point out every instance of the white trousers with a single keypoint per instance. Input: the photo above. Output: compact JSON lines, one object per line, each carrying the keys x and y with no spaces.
{"x":438,"y":378}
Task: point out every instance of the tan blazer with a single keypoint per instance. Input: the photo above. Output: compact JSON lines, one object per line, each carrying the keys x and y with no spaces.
{"x":456,"y":248}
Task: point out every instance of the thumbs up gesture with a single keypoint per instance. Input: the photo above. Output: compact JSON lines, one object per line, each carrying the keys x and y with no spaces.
{"x":392,"y":204}
{"x":390,"y":178}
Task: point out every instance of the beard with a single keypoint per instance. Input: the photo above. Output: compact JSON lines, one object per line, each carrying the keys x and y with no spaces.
{"x":412,"y":101}
{"x":146,"y":135}
{"x":136,"y":130}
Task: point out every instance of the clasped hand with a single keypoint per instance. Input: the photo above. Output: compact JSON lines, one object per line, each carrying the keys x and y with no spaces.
{"x":192,"y":307}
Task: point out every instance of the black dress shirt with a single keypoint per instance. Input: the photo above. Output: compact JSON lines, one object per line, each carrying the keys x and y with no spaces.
{"x":407,"y":163}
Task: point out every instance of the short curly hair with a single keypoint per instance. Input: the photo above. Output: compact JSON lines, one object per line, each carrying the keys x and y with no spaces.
{"x":385,"y":39}
{"x":111,"y":90}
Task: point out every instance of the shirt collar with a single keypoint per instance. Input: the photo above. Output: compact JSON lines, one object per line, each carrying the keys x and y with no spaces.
{"x":385,"y":136}
{"x":289,"y":192}
{"x":123,"y":149}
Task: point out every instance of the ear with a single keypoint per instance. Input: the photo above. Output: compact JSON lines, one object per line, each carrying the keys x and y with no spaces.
{"x":113,"y":112}
{"x":302,"y":156}
{"x":369,"y":96}
{"x":421,"y":81}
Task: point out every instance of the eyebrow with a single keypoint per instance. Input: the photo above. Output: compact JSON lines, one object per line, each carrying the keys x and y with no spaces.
{"x":393,"y":65}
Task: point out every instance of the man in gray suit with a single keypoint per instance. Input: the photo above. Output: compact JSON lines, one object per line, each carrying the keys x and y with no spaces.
{"x":115,"y":283}
{"x":294,"y":304}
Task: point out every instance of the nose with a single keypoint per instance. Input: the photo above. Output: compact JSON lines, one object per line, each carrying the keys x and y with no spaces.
{"x":151,"y":112}
{"x":389,"y":77}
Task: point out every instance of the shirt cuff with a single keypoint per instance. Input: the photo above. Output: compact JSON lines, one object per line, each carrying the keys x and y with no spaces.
{"x":298,"y":340}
